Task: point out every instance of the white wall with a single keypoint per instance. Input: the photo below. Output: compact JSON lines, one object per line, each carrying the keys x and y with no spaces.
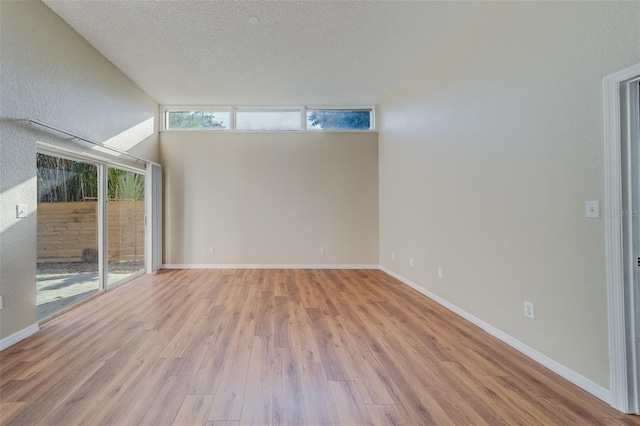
{"x":488,"y":152}
{"x":50,"y":73}
{"x":270,"y":198}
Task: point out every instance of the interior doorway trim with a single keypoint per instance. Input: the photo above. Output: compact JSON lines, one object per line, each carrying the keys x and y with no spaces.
{"x":619,"y":317}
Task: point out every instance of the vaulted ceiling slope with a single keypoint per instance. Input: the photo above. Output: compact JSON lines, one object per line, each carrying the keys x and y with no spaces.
{"x":300,"y":52}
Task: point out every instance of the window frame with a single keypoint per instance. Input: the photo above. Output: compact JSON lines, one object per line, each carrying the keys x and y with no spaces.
{"x":233,"y":110}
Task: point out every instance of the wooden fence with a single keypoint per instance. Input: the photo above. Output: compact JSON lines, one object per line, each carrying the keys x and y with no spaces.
{"x":65,"y":230}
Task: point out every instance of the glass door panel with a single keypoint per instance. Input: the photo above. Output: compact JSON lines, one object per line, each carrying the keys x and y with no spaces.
{"x":67,"y":233}
{"x":125,"y":224}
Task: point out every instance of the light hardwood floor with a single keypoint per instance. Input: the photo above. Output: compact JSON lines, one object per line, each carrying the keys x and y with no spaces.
{"x":239,"y":347}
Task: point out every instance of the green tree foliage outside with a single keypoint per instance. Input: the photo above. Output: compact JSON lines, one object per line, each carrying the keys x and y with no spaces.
{"x":64,"y":180}
{"x":124,"y":185}
{"x":340,"y":120}
{"x":60,"y":179}
{"x":194,"y":120}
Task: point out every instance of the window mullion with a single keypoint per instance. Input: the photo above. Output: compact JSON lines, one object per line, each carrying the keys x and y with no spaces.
{"x":102,"y":225}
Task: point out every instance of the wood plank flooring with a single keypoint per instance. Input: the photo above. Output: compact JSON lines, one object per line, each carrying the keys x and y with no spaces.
{"x":278,"y":347}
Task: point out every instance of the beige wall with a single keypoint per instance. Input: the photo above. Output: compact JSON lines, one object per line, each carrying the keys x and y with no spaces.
{"x":270,"y":198}
{"x":488,"y":152}
{"x":50,"y":73}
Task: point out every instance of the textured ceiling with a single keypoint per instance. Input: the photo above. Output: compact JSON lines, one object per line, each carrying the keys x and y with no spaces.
{"x":300,"y":53}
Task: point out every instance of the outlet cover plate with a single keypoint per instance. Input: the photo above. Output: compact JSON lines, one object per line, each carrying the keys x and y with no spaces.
{"x":592,"y":209}
{"x":529,"y":311}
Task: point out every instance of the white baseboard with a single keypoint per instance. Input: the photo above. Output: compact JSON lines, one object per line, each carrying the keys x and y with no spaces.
{"x":575,"y":378}
{"x":265,"y":266}
{"x":18,"y":336}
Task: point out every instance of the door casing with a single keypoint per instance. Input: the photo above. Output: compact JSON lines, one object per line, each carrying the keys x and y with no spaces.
{"x":622,"y":196}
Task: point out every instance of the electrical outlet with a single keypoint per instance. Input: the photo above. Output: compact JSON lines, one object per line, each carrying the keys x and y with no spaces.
{"x":393,"y":255}
{"x":210,"y":249}
{"x":528,"y":310}
{"x":411,"y":261}
{"x":321,"y":250}
{"x":592,"y":209}
{"x":440,"y":272}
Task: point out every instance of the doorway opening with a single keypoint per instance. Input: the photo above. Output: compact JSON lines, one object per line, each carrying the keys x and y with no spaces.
{"x":91,"y":232}
{"x":622,"y":233}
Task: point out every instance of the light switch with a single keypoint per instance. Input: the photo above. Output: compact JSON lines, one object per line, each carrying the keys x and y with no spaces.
{"x":592,"y":209}
{"x":21,"y":211}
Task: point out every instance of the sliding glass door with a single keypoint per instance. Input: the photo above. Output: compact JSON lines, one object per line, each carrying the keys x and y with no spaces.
{"x":67,"y":233}
{"x":91,"y":229}
{"x":125,"y":224}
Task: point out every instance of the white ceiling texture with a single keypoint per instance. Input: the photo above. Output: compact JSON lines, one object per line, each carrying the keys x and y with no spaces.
{"x":320,"y":53}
